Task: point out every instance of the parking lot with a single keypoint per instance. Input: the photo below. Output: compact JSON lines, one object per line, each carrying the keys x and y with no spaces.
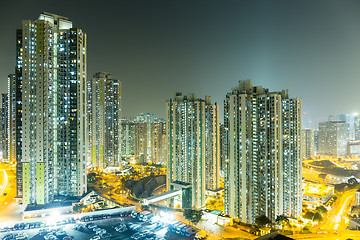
{"x":111,"y":227}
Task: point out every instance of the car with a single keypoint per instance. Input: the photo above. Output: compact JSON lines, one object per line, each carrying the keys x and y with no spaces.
{"x":138,"y":235}
{"x":21,"y":226}
{"x":49,"y":236}
{"x":8,"y":237}
{"x":91,"y":225}
{"x":106,"y":235}
{"x":21,"y":236}
{"x":134,"y":214}
{"x":121,"y":229}
{"x":60,"y":233}
{"x":43,"y":231}
{"x":120,"y":225}
{"x":67,"y":238}
{"x":141,"y":236}
{"x":96,"y":237}
{"x":100,"y":231}
{"x":71,"y":220}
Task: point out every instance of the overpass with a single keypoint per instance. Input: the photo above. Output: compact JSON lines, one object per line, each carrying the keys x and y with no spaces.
{"x":162,"y":197}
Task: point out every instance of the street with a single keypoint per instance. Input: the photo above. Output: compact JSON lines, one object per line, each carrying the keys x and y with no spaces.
{"x":9,"y":211}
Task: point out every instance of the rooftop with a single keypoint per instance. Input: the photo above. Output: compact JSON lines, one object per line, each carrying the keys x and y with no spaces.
{"x":317,"y":190}
{"x":49,"y":205}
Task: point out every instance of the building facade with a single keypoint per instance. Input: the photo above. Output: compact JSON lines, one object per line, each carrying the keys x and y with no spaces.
{"x":263,"y":163}
{"x":105,"y":117}
{"x":4,"y":127}
{"x":308,"y":144}
{"x":127,"y":143}
{"x":50,"y":77}
{"x":333,"y":138}
{"x":158,"y":142}
{"x":193,"y":145}
{"x":141,"y":142}
{"x":12,"y":132}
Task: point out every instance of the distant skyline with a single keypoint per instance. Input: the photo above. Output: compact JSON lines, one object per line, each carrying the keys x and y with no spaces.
{"x":157,"y":48}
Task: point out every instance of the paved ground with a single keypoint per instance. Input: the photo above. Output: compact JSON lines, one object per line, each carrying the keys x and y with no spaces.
{"x":107,"y":224}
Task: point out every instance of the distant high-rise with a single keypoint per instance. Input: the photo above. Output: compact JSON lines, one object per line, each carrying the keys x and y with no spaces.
{"x":263,"y":163}
{"x":141,"y":142}
{"x":316,"y":141}
{"x":308,"y":144}
{"x":147,"y":118}
{"x":12,"y":131}
{"x":4,"y":127}
{"x":127,"y":148}
{"x":50,"y":104}
{"x":192,"y":128}
{"x":105,"y":120}
{"x":333,"y":138}
{"x":158,"y":142}
{"x":352,"y":122}
{"x":140,"y":132}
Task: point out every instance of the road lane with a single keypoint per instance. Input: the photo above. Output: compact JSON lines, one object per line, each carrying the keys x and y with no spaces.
{"x":4,"y":182}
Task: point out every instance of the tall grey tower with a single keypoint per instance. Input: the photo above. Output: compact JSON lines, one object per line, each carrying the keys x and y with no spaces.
{"x":192,"y":128}
{"x":105,"y":120}
{"x":263,"y":163}
{"x":50,"y":108}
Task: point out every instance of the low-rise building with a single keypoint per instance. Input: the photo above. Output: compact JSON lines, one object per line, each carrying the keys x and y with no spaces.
{"x":316,"y":194}
{"x":354,"y":224}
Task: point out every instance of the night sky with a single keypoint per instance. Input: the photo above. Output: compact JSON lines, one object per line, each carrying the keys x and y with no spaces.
{"x":157,"y":48}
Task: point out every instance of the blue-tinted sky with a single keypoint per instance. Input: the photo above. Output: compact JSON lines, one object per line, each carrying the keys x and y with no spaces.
{"x":157,"y":48}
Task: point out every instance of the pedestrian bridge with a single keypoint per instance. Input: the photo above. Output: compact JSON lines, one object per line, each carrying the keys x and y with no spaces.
{"x":162,"y":197}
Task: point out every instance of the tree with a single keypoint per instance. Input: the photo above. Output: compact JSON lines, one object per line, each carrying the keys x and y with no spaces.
{"x":318,"y":217}
{"x":262,"y":220}
{"x":321,"y":209}
{"x":78,"y":207}
{"x":193,"y":215}
{"x":282,"y":219}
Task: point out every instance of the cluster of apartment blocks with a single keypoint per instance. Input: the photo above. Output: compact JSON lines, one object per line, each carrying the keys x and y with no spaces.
{"x":259,"y":148}
{"x":339,"y":136}
{"x":60,"y":123}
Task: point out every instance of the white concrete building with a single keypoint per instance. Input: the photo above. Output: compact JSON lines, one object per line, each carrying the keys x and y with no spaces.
{"x":193,"y":145}
{"x":105,"y":120}
{"x":50,"y":103}
{"x":263,"y":163}
{"x":333,"y":138}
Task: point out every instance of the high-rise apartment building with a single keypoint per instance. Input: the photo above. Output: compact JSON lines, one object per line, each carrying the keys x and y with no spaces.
{"x":50,"y":106}
{"x":223,"y":146}
{"x":158,"y":142}
{"x":148,"y":118}
{"x":141,"y":142}
{"x":349,"y":119}
{"x":12,"y":131}
{"x":127,"y":147}
{"x":263,"y":163}
{"x":192,"y":128}
{"x":333,"y":138}
{"x":308,"y":144}
{"x":4,"y":127}
{"x":105,"y":120}
{"x":140,"y":132}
